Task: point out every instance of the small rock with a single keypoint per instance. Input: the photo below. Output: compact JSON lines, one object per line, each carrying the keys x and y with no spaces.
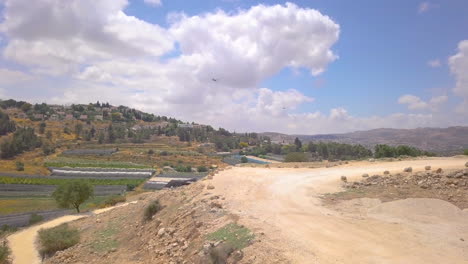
{"x":427,"y":168}
{"x":439,"y":170}
{"x":344,"y":179}
{"x":210,"y":187}
{"x":161,"y":232}
{"x":466,"y":164}
{"x":386,"y":172}
{"x":409,"y":169}
{"x":365,"y":175}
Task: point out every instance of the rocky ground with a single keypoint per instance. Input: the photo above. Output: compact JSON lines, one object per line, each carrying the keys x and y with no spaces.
{"x":450,"y":185}
{"x":176,"y":234}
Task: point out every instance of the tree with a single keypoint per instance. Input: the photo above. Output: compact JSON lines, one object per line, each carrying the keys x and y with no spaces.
{"x":49,"y":135}
{"x":42,"y":127}
{"x":26,"y":107}
{"x":244,"y":159}
{"x":111,"y":134}
{"x":298,"y":144}
{"x":73,"y":194}
{"x":243,"y":144}
{"x":101,"y":137}
{"x":78,"y":129}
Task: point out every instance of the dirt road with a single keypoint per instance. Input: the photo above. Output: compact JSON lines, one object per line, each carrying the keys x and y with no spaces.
{"x":284,"y":204}
{"x":23,"y":243}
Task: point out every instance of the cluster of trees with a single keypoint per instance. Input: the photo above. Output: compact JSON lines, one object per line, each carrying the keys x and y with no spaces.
{"x":386,"y":151}
{"x":338,"y":151}
{"x":24,"y":139}
{"x":334,"y":151}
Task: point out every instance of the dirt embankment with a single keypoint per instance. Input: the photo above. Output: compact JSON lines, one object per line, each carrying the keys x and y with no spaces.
{"x":286,"y":205}
{"x":176,"y":234}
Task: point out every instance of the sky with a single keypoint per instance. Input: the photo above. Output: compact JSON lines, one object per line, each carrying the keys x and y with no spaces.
{"x":299,"y":67}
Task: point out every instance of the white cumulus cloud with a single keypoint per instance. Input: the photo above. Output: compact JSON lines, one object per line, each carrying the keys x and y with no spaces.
{"x":415,"y":103}
{"x":459,"y":67}
{"x":153,"y":2}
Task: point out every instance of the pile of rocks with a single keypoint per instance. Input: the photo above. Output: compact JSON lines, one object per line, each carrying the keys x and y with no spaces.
{"x":438,"y":180}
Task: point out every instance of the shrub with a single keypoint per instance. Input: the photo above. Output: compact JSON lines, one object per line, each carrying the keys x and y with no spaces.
{"x":202,"y":169}
{"x":131,"y":187}
{"x":465,"y":152}
{"x":295,"y":157}
{"x":4,"y":254}
{"x":19,"y":166}
{"x":35,"y":218}
{"x":182,"y":168}
{"x":164,"y":153}
{"x":48,"y":148}
{"x":7,"y":229}
{"x":113,"y":200}
{"x":244,"y":159}
{"x":153,"y":208}
{"x":56,"y":239}
{"x":150,"y":152}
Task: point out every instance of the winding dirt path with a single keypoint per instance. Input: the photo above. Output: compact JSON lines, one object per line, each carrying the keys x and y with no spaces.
{"x":285,"y":205}
{"x":23,"y":243}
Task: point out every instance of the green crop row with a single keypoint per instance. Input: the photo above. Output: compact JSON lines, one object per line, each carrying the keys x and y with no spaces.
{"x":48,"y":181}
{"x":94,"y":164}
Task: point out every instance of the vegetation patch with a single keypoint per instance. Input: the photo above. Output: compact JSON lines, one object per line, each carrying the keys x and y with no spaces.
{"x":4,"y":254}
{"x":105,"y":240}
{"x":113,"y":200}
{"x":35,"y":218}
{"x":6,"y":229}
{"x":85,"y":163}
{"x":153,"y":208}
{"x":57,"y":238}
{"x":234,"y":235}
{"x":295,"y":157}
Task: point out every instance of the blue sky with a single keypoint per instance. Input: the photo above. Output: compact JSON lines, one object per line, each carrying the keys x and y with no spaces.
{"x":384,"y":49}
{"x":381,"y":77}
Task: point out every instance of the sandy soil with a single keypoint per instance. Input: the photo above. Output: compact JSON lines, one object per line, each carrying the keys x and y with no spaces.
{"x":23,"y":243}
{"x":285,"y":205}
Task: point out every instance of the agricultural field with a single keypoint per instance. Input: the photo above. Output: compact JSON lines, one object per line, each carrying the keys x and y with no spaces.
{"x":13,"y":205}
{"x":91,"y":162}
{"x":52,"y":181}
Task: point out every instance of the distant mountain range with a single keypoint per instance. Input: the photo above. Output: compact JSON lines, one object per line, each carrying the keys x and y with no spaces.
{"x":447,"y":141}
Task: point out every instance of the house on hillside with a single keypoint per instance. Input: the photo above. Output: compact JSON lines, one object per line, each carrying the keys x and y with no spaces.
{"x":54,"y":117}
{"x":38,"y":116}
{"x":185,"y":125}
{"x":69,"y":117}
{"x":99,"y":117}
{"x":22,"y":115}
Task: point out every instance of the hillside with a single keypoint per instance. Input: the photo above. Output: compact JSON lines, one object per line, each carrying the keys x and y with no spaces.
{"x":446,"y":141}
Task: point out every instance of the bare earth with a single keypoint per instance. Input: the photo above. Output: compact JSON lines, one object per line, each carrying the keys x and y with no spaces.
{"x":285,"y":205}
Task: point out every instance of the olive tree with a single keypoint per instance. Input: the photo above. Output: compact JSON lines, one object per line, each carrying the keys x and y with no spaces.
{"x":73,"y":194}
